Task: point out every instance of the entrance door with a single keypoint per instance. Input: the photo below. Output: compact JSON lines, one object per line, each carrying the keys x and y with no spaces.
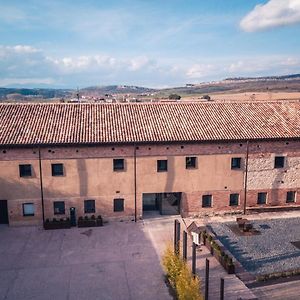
{"x":163,"y":203}
{"x":3,"y":212}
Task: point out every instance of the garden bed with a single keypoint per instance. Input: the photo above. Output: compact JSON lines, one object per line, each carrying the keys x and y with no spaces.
{"x":218,"y":251}
{"x":271,"y":254}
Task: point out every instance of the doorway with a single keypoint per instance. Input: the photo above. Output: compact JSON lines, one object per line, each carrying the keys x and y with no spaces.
{"x":163,"y":203}
{"x":3,"y":212}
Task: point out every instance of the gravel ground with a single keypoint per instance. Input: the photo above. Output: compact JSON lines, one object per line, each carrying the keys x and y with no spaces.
{"x":270,"y":251}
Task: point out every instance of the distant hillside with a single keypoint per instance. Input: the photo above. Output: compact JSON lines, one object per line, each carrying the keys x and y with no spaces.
{"x":117,"y":89}
{"x":283,"y":77}
{"x":287,"y":83}
{"x":6,"y":93}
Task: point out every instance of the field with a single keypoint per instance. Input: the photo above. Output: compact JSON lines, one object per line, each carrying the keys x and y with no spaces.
{"x":248,"y":96}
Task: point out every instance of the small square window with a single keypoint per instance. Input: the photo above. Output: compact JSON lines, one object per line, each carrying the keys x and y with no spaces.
{"x":235,"y":163}
{"x":290,"y":197}
{"x":28,"y":209}
{"x":118,"y":205}
{"x":206,"y":200}
{"x":279,"y":162}
{"x":57,"y":169}
{"x":162,"y":165}
{"x":234,"y":199}
{"x":89,"y":206}
{"x":118,"y":164}
{"x":25,"y":170}
{"x":59,"y":207}
{"x":190,"y":162}
{"x":262,"y":198}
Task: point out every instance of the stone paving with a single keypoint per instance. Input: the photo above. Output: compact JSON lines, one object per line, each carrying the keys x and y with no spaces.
{"x":268,"y":252}
{"x":161,"y":233}
{"x":116,"y":261}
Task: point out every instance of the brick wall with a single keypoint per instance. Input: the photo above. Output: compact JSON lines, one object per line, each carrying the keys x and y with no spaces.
{"x":89,"y":175}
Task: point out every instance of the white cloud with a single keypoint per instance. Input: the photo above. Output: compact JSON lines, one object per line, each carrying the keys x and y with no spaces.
{"x":24,"y":64}
{"x":272,"y":14}
{"x":200,"y":70}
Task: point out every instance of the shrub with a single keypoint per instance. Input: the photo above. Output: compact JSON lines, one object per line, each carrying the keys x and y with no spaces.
{"x":180,"y":277}
{"x":174,"y":97}
{"x":187,"y":286}
{"x":172,"y":265}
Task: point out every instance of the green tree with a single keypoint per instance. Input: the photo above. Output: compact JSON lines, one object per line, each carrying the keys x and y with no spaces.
{"x":174,"y":97}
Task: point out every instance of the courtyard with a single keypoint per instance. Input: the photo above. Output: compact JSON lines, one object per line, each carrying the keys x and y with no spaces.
{"x":275,"y":248}
{"x":116,"y":261}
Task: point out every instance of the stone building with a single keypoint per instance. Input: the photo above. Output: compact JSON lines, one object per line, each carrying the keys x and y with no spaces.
{"x":121,"y":160}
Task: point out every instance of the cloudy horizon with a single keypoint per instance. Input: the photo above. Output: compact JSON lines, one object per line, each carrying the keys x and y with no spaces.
{"x":70,"y":44}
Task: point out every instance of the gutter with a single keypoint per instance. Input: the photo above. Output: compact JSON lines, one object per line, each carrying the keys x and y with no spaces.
{"x":135,"y":200}
{"x":246,"y":178}
{"x":41,"y":186}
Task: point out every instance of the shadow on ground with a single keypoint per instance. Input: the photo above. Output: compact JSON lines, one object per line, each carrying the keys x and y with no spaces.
{"x":117,"y":261}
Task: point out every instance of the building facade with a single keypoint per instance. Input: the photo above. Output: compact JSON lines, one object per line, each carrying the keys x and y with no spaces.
{"x":144,"y":162}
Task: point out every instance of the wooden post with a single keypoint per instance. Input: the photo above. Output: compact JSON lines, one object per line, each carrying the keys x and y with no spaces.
{"x":194,"y":259}
{"x":184,"y":245}
{"x":222,"y":289}
{"x":206,"y":278}
{"x":176,"y":236}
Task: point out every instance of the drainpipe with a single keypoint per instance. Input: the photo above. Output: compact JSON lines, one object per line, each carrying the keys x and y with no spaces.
{"x":246,"y":177}
{"x":134,"y":163}
{"x":41,"y":185}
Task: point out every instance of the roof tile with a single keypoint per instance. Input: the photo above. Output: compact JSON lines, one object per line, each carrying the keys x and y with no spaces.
{"x":23,"y":124}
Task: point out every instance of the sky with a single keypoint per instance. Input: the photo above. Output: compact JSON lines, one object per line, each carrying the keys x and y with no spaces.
{"x":152,"y":43}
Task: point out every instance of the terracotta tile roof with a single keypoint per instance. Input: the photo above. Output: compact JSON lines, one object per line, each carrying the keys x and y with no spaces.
{"x":31,"y":124}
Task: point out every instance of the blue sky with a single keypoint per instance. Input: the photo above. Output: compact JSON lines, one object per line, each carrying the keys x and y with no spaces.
{"x":149,"y":43}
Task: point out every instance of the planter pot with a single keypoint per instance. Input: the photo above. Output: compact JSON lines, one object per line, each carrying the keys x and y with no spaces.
{"x":99,"y":222}
{"x":90,"y":223}
{"x":230,"y":269}
{"x":57,"y":225}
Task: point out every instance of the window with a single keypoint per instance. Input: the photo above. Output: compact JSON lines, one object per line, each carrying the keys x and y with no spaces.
{"x":279,"y":162}
{"x":190,"y":162}
{"x":290,"y":197}
{"x":234,"y":199}
{"x":206,"y":200}
{"x":118,"y":164}
{"x":57,"y":169}
{"x":59,"y":207}
{"x":28,"y":209}
{"x":25,"y":170}
{"x":162,"y":165}
{"x":262,"y":198}
{"x":235,"y":163}
{"x":89,"y":206}
{"x":118,"y":205}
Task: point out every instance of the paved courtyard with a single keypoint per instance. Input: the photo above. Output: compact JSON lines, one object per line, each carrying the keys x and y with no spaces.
{"x":116,"y":261}
{"x":268,"y":252}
